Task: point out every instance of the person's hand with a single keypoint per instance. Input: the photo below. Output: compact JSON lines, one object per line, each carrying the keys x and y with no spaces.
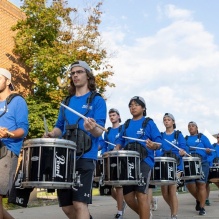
{"x":49,"y":135}
{"x":182,"y":152}
{"x":3,"y":132}
{"x":208,"y":150}
{"x":152,"y":145}
{"x":89,"y":124}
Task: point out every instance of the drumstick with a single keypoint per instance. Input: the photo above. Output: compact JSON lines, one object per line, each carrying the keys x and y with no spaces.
{"x":111,"y":143}
{"x":45,"y":124}
{"x":202,"y":148}
{"x":176,"y":147}
{"x":82,"y":116}
{"x":10,"y":133}
{"x":137,"y":139}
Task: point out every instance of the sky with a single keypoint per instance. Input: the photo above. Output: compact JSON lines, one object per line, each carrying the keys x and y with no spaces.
{"x":166,"y":52}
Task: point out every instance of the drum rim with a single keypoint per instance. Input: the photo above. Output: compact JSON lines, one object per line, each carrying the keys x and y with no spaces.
{"x":121,"y":152}
{"x":164,"y":159}
{"x":44,"y":141}
{"x":191,"y":158}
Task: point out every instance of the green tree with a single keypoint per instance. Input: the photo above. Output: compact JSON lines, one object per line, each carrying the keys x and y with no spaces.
{"x":46,"y":42}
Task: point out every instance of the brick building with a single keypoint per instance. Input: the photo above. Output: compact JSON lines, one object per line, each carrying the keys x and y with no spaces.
{"x":9,"y":15}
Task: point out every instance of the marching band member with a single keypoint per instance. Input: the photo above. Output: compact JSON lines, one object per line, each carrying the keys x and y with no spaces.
{"x":110,"y":137}
{"x":13,"y":129}
{"x":213,"y":161}
{"x":141,"y":128}
{"x":85,"y":133}
{"x":167,"y":150}
{"x":197,"y":187}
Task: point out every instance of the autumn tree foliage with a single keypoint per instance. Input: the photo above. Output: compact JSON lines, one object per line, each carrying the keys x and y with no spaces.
{"x":47,"y":41}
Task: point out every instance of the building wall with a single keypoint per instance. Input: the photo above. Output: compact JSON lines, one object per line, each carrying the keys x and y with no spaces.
{"x":9,"y":15}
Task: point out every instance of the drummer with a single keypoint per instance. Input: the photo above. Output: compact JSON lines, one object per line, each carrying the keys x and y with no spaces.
{"x":213,"y":161}
{"x":142,"y":128}
{"x":84,"y":132}
{"x":197,"y":187}
{"x":167,"y":150}
{"x":107,"y":145}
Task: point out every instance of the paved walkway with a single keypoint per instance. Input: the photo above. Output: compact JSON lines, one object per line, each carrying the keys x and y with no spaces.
{"x":105,"y":207}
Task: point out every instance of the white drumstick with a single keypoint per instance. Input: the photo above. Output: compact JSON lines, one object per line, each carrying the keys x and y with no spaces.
{"x":201,"y":148}
{"x":110,"y":143}
{"x":176,"y":147}
{"x":137,"y":139}
{"x":45,"y":125}
{"x":82,"y":116}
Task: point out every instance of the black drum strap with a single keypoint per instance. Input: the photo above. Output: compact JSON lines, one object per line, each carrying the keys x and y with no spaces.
{"x":82,"y":140}
{"x":136,"y":146}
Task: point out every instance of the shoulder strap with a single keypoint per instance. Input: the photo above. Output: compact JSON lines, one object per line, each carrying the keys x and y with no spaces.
{"x":176,"y":134}
{"x":145,"y":122}
{"x":91,"y":97}
{"x":199,"y":135}
{"x":214,"y":144}
{"x":107,"y":133}
{"x":8,"y":100}
{"x":120,"y":128}
{"x":186,"y":137}
{"x":126,"y":124}
{"x":67,"y":100}
{"x":11,"y":96}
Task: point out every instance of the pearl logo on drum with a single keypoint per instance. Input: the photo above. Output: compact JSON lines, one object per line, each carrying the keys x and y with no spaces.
{"x":170,"y":171}
{"x":131,"y":167}
{"x":59,"y":161}
{"x":197,"y":167}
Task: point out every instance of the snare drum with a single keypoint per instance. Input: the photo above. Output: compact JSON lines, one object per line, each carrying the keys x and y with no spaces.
{"x":48,"y":163}
{"x":191,"y":168}
{"x":214,"y":173}
{"x":164,"y":171}
{"x":121,"y":168}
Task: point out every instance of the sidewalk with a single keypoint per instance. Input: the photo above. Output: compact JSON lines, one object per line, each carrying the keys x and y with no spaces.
{"x":105,"y":207}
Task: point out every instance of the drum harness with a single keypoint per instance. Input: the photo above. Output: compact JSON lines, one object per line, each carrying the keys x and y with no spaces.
{"x":3,"y":147}
{"x":136,"y":146}
{"x":73,"y":133}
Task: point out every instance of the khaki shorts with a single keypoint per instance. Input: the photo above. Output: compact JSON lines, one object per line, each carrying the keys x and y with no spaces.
{"x":8,"y":165}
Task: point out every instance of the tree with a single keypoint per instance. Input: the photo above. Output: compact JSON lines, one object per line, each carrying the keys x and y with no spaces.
{"x":46,"y":42}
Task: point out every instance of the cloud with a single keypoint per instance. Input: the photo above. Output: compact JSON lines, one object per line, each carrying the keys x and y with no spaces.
{"x":174,"y":12}
{"x":175,"y":70}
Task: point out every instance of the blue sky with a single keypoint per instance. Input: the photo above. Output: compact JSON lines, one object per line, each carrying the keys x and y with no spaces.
{"x":167,"y":52}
